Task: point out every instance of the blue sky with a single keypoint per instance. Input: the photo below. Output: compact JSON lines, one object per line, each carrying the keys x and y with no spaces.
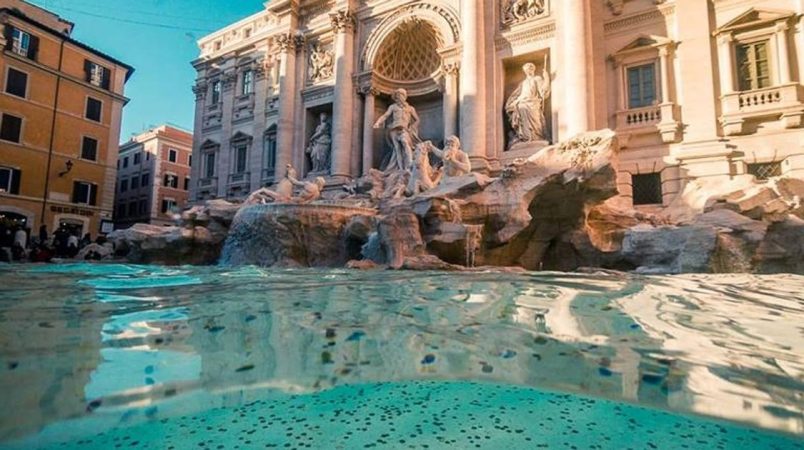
{"x":158,"y":38}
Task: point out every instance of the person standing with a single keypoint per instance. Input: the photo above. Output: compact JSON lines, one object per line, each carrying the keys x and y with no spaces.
{"x":43,"y":234}
{"x":21,"y":238}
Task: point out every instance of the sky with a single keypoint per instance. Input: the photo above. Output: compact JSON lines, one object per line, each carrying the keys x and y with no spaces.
{"x":158,"y":38}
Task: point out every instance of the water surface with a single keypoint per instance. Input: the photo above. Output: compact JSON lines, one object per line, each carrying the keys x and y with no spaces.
{"x":120,"y":356}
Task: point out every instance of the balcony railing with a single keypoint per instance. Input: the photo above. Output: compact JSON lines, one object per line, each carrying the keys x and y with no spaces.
{"x":649,"y":119}
{"x":239,"y":178}
{"x":206,"y":182}
{"x":786,"y":102}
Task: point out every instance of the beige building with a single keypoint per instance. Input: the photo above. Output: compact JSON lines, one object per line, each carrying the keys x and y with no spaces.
{"x":153,"y":177}
{"x":695,"y":88}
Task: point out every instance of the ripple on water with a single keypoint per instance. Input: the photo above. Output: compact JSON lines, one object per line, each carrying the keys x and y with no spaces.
{"x":96,"y":342}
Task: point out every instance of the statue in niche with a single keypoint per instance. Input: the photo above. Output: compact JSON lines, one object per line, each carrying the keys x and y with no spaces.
{"x":321,"y":63}
{"x":518,"y":10}
{"x":402,"y":131}
{"x":525,"y":107}
{"x":456,"y":161}
{"x":321,"y":145}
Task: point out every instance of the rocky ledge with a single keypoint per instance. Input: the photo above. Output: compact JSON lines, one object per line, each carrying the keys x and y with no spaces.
{"x":556,"y":210}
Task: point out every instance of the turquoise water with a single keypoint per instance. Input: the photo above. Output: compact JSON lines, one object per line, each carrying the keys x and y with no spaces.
{"x":119,"y":356}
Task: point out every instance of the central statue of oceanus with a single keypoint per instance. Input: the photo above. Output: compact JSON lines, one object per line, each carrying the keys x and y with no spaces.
{"x":403,"y":131}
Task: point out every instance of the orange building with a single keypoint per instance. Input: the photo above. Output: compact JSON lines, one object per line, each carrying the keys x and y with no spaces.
{"x":153,"y":177}
{"x":61,"y":105}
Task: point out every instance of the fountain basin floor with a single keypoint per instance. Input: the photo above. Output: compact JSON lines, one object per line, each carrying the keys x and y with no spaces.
{"x":123,"y":356}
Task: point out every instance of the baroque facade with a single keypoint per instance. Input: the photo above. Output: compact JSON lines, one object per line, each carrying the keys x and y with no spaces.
{"x":61,"y":107}
{"x":694,"y":88}
{"x":153,"y":177}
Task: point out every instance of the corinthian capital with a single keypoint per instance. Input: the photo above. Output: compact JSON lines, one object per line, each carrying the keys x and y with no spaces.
{"x":286,"y":42}
{"x":342,"y":21}
{"x":451,"y":68}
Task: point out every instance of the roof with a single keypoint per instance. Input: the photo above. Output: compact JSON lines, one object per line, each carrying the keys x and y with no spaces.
{"x":19,"y":15}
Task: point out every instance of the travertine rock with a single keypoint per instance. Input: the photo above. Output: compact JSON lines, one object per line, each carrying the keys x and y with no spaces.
{"x":294,"y":235}
{"x":153,"y":244}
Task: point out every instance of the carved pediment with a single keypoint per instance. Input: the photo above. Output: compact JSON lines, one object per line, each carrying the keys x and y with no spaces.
{"x":241,"y":137}
{"x":644,"y":42}
{"x":755,"y":18}
{"x":209,"y":145}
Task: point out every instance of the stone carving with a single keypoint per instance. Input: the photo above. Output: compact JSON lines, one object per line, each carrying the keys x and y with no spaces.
{"x":515,"y":11}
{"x":456,"y":161}
{"x":285,"y":42}
{"x":321,"y":63}
{"x":525,"y":107}
{"x":422,"y":175}
{"x":342,"y":20}
{"x":616,"y":6}
{"x":402,"y":130}
{"x":320,"y":145}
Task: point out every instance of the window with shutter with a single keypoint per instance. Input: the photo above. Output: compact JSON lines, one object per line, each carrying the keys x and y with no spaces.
{"x":11,"y":128}
{"x":94,"y":108}
{"x":641,"y":86}
{"x":10,"y":180}
{"x":89,"y":149}
{"x":753,"y":65}
{"x":209,"y":165}
{"x":20,"y":42}
{"x":17,"y":83}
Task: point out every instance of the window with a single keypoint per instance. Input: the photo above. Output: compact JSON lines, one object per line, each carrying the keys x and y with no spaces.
{"x":125,"y":162}
{"x":173,"y":155}
{"x":209,"y":165}
{"x":135,"y":183}
{"x":17,"y":83}
{"x":97,"y":75}
{"x":137,"y":158}
{"x":143,"y":207}
{"x":168,"y":205}
{"x":190,"y":160}
{"x":171,"y":181}
{"x":132,"y":208}
{"x":269,"y":150}
{"x":146,"y":178}
{"x":147,"y":156}
{"x":186,"y":183}
{"x":764,"y":171}
{"x":248,"y":82}
{"x":641,"y":86}
{"x":124,"y":185}
{"x":121,"y":210}
{"x":22,"y":43}
{"x":647,"y":188}
{"x":93,"y":111}
{"x":216,"y":92}
{"x":85,"y":193}
{"x":11,"y":128}
{"x":89,"y":149}
{"x":241,"y":158}
{"x":753,"y":67}
{"x":10,"y":180}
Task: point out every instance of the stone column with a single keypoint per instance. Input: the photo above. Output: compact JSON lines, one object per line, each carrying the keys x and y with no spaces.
{"x":343,"y":23}
{"x":285,"y":126}
{"x":200,"y":90}
{"x":472,"y":107}
{"x":450,"y":104}
{"x":726,"y":64}
{"x":784,"y":56}
{"x":369,"y":100}
{"x":664,"y":62}
{"x":575,"y":66}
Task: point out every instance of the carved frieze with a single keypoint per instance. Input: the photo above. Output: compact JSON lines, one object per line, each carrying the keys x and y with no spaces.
{"x":616,"y":6}
{"x":516,"y":11}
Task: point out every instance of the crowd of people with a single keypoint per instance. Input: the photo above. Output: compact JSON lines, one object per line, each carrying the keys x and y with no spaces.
{"x":17,"y":244}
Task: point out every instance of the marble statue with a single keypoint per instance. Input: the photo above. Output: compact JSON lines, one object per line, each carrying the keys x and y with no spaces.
{"x":422,"y":175}
{"x":321,"y":63}
{"x":402,"y":130}
{"x":321,"y":145}
{"x":283,"y":193}
{"x":456,"y":161}
{"x":525,"y":107}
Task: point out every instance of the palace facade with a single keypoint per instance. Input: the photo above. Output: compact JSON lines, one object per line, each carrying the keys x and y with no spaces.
{"x":694,"y":88}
